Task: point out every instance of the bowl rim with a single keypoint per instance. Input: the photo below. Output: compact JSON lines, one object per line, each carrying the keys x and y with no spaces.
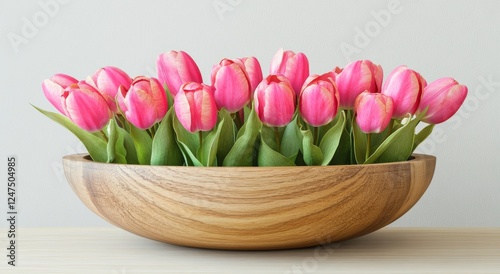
{"x":85,"y":159}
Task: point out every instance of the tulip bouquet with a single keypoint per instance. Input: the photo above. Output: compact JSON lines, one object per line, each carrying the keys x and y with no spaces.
{"x":290,"y":117}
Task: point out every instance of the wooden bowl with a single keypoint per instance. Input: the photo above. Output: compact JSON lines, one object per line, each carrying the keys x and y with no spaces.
{"x":249,"y":208}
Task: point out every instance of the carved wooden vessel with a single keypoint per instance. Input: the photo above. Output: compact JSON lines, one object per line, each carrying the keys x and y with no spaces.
{"x":249,"y":208}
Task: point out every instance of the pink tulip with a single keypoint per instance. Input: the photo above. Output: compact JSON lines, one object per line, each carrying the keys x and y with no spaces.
{"x":107,"y":80}
{"x":232,"y":87}
{"x":357,"y":77}
{"x":195,"y":107}
{"x":319,"y":100}
{"x":373,"y":111}
{"x":176,"y":68}
{"x":442,"y":99}
{"x":254,"y":71}
{"x":145,"y":103}
{"x":85,"y":106}
{"x":405,"y":87}
{"x":53,"y":89}
{"x":274,"y":101}
{"x":293,"y":66}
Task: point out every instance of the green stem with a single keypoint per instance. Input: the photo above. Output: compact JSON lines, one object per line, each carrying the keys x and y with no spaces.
{"x":368,"y":145}
{"x":316,"y":135}
{"x":237,"y":119}
{"x":200,"y":137}
{"x":277,"y":135}
{"x":349,"y":119}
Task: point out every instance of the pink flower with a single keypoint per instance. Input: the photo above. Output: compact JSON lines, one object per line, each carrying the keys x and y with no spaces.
{"x":405,"y":87}
{"x":85,"y":106}
{"x":319,"y":100}
{"x":357,"y":77}
{"x":274,"y":101}
{"x":254,"y":71}
{"x":107,"y":80}
{"x":232,"y":87}
{"x":53,"y":89}
{"x":176,"y":68}
{"x":442,"y":99}
{"x":373,"y":111}
{"x":145,"y":103}
{"x":195,"y":107}
{"x":293,"y":66}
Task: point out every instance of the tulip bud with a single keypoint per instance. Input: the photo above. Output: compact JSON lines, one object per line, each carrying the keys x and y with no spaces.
{"x":373,"y":111}
{"x":357,"y":77}
{"x":107,"y":80}
{"x":176,"y":68}
{"x":442,"y":99}
{"x":295,"y":67}
{"x":53,"y":89}
{"x":319,"y":100}
{"x":254,"y":71}
{"x":144,"y":104}
{"x":85,"y":106}
{"x":274,"y":101}
{"x":405,"y":87}
{"x":231,"y":84}
{"x":195,"y":107}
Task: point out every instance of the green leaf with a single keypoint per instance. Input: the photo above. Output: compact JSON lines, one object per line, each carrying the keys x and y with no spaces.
{"x":115,"y":149}
{"x":422,"y":135}
{"x":359,"y":139}
{"x":165,"y":150}
{"x":268,"y":134}
{"x":398,"y":146}
{"x":188,"y":143}
{"x":244,"y":149}
{"x":379,"y":138}
{"x":247,"y":112}
{"x":290,"y":142}
{"x":170,"y":97}
{"x":96,"y":146}
{"x":343,"y":154}
{"x":313,"y":156}
{"x":143,"y":144}
{"x":110,"y":131}
{"x":227,"y":135}
{"x":128,"y":146}
{"x":269,"y":157}
{"x":208,"y":149}
{"x":331,"y":140}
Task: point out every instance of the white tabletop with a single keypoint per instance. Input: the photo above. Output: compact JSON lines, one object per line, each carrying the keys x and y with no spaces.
{"x":390,"y":250}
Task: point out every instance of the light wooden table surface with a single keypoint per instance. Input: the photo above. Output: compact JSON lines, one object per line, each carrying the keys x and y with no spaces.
{"x":390,"y":250}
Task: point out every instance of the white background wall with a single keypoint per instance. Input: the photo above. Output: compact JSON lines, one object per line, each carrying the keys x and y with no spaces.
{"x":437,"y":38}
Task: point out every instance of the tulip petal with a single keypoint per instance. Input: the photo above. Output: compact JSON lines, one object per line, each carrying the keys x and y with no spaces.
{"x":232,"y":88}
{"x":53,"y":92}
{"x":87,"y":108}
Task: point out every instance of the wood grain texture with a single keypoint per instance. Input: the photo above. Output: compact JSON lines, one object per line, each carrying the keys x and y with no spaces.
{"x":249,"y":208}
